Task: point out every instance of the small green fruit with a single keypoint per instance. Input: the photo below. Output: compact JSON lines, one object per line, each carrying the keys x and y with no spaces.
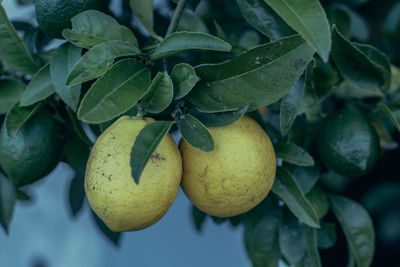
{"x":34,"y":152}
{"x":348,"y":144}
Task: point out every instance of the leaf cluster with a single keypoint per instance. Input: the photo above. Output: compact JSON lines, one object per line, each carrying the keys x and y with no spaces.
{"x":287,"y":64}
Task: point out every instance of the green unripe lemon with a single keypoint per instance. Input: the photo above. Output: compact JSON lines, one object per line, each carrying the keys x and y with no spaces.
{"x":113,"y":195}
{"x":54,"y":16}
{"x":33,"y":152}
{"x":348,"y":144}
{"x":234,"y":177}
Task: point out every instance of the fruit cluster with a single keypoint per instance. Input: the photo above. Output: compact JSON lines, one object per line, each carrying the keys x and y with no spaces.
{"x":230,"y":180}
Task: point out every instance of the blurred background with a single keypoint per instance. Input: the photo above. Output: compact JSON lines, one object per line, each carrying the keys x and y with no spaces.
{"x":43,"y":234}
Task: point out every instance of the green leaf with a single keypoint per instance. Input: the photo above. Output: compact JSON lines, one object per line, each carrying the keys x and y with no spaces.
{"x":358,"y":25}
{"x":10,"y":94}
{"x":347,"y":90}
{"x":393,"y":116}
{"x":143,"y":10}
{"x":145,"y":144}
{"x":160,"y":93}
{"x":39,"y":88}
{"x":318,"y":200}
{"x":23,"y":195}
{"x":115,"y":92}
{"x":395,"y":83}
{"x":341,"y":19}
{"x":18,"y":116}
{"x":218,"y":220}
{"x":324,"y":78}
{"x":220,"y":31}
{"x":199,"y":218}
{"x":12,"y":50}
{"x":392,"y":23}
{"x":76,"y":195}
{"x":291,"y":239}
{"x":310,"y":240}
{"x":77,"y":126}
{"x":263,"y":18}
{"x":184,"y":79}
{"x":293,"y":154}
{"x":308,"y":18}
{"x":380,"y":61}
{"x":261,"y":240}
{"x":334,"y":182}
{"x":98,"y":59}
{"x":357,"y":227}
{"x":286,"y":187}
{"x":76,"y":155}
{"x":93,"y":27}
{"x":180,"y":42}
{"x":291,"y":106}
{"x":218,"y":119}
{"x":311,"y":102}
{"x":113,"y":237}
{"x":196,"y":134}
{"x":249,"y":39}
{"x":387,"y":142}
{"x":306,"y":177}
{"x":7,"y":202}
{"x":255,"y":78}
{"x":62,"y":61}
{"x":356,"y":67}
{"x":326,"y":235}
{"x":191,"y":22}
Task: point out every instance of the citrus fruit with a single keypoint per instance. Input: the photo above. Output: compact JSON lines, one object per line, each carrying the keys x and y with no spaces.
{"x":33,"y":152}
{"x":347,"y":143}
{"x":54,"y":16}
{"x":234,"y":177}
{"x":113,"y":195}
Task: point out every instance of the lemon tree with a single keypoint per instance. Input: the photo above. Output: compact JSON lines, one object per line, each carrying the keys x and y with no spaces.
{"x":287,"y":116}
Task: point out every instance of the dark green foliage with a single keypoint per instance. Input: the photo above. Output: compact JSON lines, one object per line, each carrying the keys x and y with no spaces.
{"x":320,"y":78}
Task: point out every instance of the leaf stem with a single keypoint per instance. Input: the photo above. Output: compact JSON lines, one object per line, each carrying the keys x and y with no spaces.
{"x":175,"y":17}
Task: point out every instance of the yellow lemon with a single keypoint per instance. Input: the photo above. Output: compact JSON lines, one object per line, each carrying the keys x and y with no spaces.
{"x":234,"y":177}
{"x":122,"y":204}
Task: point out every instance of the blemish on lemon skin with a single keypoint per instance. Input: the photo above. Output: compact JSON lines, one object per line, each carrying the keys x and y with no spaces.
{"x":156,"y":156}
{"x":204,"y":173}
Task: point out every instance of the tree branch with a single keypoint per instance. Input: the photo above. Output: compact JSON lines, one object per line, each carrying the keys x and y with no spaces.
{"x":175,"y":17}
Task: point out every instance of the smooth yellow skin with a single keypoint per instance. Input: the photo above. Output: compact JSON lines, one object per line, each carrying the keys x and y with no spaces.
{"x":234,"y":177}
{"x":112,"y":193}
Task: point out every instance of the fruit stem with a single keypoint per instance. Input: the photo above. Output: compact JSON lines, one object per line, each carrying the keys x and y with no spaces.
{"x":175,"y":17}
